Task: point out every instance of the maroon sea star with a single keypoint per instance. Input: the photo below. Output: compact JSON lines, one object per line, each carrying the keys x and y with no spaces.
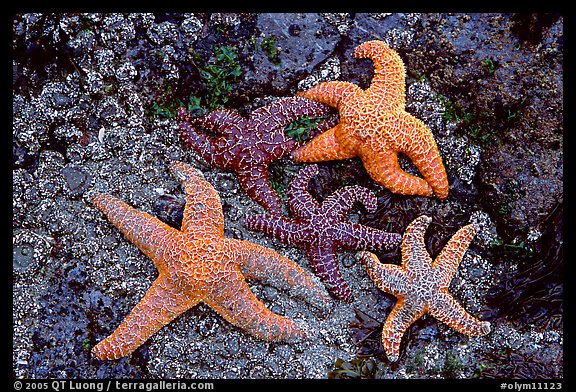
{"x":320,"y":228}
{"x":248,"y":145}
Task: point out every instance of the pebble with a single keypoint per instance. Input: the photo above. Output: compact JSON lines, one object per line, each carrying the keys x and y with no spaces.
{"x":77,"y":179}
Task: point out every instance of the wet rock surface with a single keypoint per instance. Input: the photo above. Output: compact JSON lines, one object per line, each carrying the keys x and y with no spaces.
{"x":94,"y":98}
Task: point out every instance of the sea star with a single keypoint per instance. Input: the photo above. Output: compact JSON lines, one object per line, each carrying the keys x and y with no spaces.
{"x":248,"y":145}
{"x":320,"y":228}
{"x":375,"y":127}
{"x":198,"y":264}
{"x":421,"y":285}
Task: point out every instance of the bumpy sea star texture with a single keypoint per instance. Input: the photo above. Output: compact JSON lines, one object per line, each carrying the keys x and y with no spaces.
{"x":320,"y":228}
{"x":421,"y":285}
{"x":375,"y":127}
{"x":248,"y":145}
{"x":198,"y":264}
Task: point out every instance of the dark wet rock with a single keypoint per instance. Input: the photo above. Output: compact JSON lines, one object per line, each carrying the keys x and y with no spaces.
{"x":21,"y":156}
{"x":531,"y":28}
{"x":270,"y":293}
{"x":170,"y":209}
{"x":302,"y":42}
{"x":62,"y":339}
{"x":60,"y":101}
{"x":517,"y":295}
{"x":233,"y":346}
{"x":22,"y":256}
{"x":512,"y":93}
{"x":428,"y":333}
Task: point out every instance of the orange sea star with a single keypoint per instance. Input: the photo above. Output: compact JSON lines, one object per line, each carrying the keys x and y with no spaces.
{"x":198,"y":264}
{"x":375,"y":127}
{"x":421,"y":285}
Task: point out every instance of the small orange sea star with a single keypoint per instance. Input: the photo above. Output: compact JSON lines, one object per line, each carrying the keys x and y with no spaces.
{"x":421,"y":285}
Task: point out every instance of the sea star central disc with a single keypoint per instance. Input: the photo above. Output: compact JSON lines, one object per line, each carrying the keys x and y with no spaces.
{"x":321,"y":228}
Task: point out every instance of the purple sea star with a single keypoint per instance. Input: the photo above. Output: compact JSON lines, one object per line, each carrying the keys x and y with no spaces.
{"x":320,"y":228}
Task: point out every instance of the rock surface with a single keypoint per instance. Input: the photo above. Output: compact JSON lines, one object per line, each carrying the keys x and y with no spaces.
{"x":94,"y":98}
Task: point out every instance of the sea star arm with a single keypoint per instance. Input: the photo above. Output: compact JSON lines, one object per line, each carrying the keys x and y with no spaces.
{"x":417,"y":142}
{"x":221,"y":121}
{"x":279,"y":227}
{"x":283,"y":111}
{"x":449,"y":258}
{"x":326,"y":147}
{"x":324,"y":262}
{"x":300,"y":201}
{"x":332,"y":93}
{"x":447,"y":310}
{"x":143,"y":230}
{"x":342,"y":200}
{"x":160,"y":305}
{"x":413,"y":249}
{"x":214,"y":150}
{"x":203,"y":210}
{"x":390,"y":278}
{"x":388,"y":82}
{"x":355,"y":236}
{"x":270,"y":267}
{"x":254,"y":181}
{"x":282,"y":146}
{"x":233,"y":300}
{"x":403,"y":314}
{"x":382,"y":165}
